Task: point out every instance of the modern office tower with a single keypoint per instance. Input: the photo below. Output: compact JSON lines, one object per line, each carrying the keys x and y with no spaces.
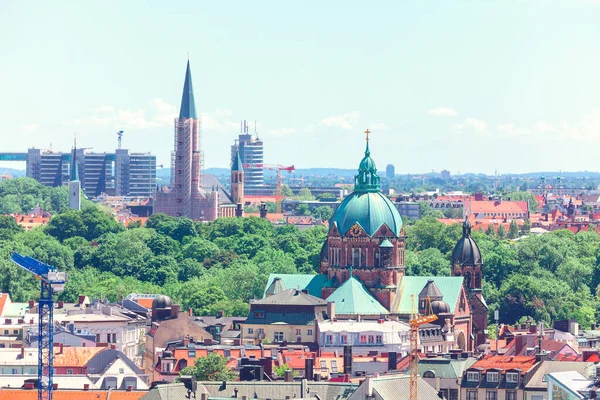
{"x":250,"y":148}
{"x":186,"y":196}
{"x":134,"y":174}
{"x":390,"y":171}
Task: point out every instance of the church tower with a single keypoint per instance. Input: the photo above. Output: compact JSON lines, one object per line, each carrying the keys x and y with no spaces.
{"x":237,"y":184}
{"x":74,"y":183}
{"x":467,"y":262}
{"x":365,"y":239}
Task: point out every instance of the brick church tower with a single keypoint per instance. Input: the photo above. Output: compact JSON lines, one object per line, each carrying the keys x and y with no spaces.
{"x":467,"y":262}
{"x":365,"y":239}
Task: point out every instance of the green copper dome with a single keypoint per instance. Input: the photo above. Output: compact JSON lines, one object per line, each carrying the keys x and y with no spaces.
{"x":367,"y":206}
{"x":370,"y":211}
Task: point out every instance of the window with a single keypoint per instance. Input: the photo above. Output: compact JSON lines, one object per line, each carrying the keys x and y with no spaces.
{"x":121,"y":370}
{"x":323,"y":365}
{"x":491,"y":376}
{"x":14,"y":371}
{"x":69,"y":372}
{"x":371,"y":339}
{"x":511,"y":395}
{"x":298,"y":332}
{"x":491,"y":395}
{"x":471,"y":394}
{"x":328,"y":339}
{"x":378,"y":339}
{"x":16,"y":332}
{"x":6,"y":331}
{"x":278,"y":336}
{"x":97,"y":338}
{"x":512,"y":377}
{"x":472,"y":376}
{"x":191,"y":353}
{"x":259,"y":314}
{"x":250,"y":331}
{"x":429,"y":374}
{"x":309,"y":332}
{"x":363,"y":338}
{"x":334,"y":366}
{"x":343,"y":339}
{"x":261,"y":331}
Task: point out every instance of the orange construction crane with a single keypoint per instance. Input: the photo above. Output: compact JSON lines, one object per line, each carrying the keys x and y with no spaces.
{"x":278,"y":168}
{"x":415,"y":321}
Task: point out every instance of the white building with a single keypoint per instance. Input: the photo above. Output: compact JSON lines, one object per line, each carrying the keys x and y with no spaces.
{"x":365,"y":336}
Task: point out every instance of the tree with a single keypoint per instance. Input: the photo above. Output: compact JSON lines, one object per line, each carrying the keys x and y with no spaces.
{"x":501,"y":231}
{"x":526,"y":229}
{"x":280,"y":370}
{"x":324,"y":213}
{"x":305,"y":194}
{"x":67,"y":225}
{"x":134,"y":224}
{"x":302,"y":209}
{"x":286,"y":191}
{"x":212,"y":367}
{"x":513,"y":230}
{"x":98,"y":223}
{"x":9,"y":227}
{"x":490,"y":230}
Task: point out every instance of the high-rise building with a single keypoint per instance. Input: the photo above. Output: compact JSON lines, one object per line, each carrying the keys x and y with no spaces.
{"x":390,"y":171}
{"x":445,"y":174}
{"x":122,"y":173}
{"x":186,"y":196}
{"x":250,"y":149}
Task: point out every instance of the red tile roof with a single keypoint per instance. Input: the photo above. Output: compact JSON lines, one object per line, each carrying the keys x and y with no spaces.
{"x":74,"y":356}
{"x":503,"y":363}
{"x":4,"y":297}
{"x":32,"y":394}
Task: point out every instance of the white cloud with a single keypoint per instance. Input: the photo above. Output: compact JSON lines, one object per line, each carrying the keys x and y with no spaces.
{"x":443,"y":112}
{"x":511,"y":130}
{"x":344,"y":121}
{"x":587,"y":129}
{"x":279,"y":132}
{"x":104,"y":109}
{"x":30,"y":128}
{"x":379,"y":126}
{"x":470,"y":126}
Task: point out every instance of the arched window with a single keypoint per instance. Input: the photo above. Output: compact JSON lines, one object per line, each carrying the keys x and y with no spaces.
{"x":428,"y":374}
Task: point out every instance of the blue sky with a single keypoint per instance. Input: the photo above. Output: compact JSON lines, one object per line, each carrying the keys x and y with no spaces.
{"x":469,"y":86}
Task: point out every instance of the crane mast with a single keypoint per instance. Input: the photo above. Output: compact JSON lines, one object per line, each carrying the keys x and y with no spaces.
{"x":278,"y":168}
{"x":51,"y":282}
{"x":415,"y":321}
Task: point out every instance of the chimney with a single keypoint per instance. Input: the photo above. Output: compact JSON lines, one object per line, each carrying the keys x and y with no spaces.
{"x":86,"y":386}
{"x":369,"y":384}
{"x":220,"y":314}
{"x":331,"y":310}
{"x":22,"y":352}
{"x":186,"y":341}
{"x":60,"y":347}
{"x":31,"y":303}
{"x":239,"y":210}
{"x":129,"y":388}
{"x":190,"y":312}
{"x":61,"y":304}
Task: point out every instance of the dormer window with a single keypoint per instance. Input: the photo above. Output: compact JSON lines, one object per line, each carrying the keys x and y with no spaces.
{"x":512,"y":377}
{"x":259,"y":314}
{"x":472,"y":376}
{"x":492,"y":376}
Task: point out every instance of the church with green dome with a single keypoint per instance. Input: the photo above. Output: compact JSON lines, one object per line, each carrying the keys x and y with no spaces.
{"x":362,"y":264}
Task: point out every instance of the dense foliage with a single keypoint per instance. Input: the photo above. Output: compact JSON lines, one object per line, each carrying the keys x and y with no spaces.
{"x":223,"y":264}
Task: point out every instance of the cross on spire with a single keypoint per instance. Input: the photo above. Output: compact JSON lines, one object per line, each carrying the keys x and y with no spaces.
{"x":367,"y":133}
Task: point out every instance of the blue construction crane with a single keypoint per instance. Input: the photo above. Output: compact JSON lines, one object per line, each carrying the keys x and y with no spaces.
{"x":51,"y":282}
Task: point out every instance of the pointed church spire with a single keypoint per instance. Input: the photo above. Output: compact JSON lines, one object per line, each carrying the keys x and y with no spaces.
{"x":74,"y":167}
{"x":188,"y":105}
{"x":237,"y":162}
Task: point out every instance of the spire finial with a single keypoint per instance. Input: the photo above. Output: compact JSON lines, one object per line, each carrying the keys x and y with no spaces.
{"x":351,"y":271}
{"x":367,"y":133}
{"x":75,"y":140}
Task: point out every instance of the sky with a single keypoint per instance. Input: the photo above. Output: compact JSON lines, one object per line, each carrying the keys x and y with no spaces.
{"x":467,"y":86}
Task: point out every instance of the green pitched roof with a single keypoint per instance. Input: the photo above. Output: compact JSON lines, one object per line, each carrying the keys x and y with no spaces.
{"x":313,"y":283}
{"x":369,"y":210}
{"x":353,"y":298}
{"x":188,"y":105}
{"x":449,"y":286}
{"x":445,"y":368}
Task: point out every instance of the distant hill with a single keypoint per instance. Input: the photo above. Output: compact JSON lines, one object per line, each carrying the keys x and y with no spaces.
{"x":15,"y":173}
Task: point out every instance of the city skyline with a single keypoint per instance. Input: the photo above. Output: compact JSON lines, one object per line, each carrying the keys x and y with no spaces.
{"x":469,"y":87}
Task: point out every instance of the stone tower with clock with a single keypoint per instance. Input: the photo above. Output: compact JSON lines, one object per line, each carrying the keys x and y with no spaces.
{"x":368,"y":245}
